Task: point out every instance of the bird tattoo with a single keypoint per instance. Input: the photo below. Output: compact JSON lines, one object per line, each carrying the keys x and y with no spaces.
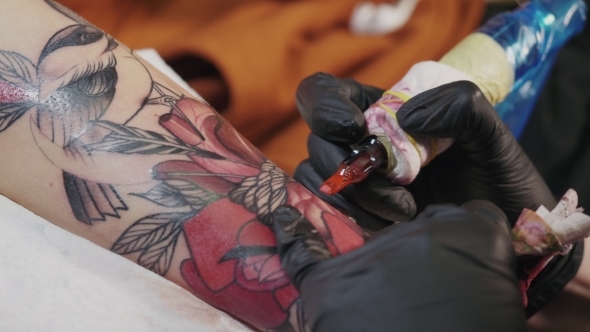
{"x":71,"y":87}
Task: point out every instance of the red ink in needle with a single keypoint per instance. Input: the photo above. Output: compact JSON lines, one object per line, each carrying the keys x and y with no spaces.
{"x":367,"y":157}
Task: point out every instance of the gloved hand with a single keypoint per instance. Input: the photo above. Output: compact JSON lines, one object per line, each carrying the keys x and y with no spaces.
{"x":452,"y":269}
{"x":485,"y":162}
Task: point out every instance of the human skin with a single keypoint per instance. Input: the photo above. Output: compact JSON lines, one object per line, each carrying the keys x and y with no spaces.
{"x":101,"y":144}
{"x":569,"y":310}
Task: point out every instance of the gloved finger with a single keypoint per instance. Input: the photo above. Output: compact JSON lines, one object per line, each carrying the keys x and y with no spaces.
{"x":379,"y":196}
{"x":376,"y":194}
{"x":308,"y":177}
{"x":499,"y":170}
{"x":455,"y":110}
{"x":489,"y":211}
{"x":299,"y":245}
{"x":475,"y":227}
{"x":333,"y":107}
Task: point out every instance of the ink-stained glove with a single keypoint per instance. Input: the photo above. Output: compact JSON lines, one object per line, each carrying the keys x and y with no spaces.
{"x":333,"y":109}
{"x":485,"y":162}
{"x":451,"y":269}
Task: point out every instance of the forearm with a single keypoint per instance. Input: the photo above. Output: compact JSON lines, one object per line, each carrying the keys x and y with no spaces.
{"x":101,"y":144}
{"x":59,"y":79}
{"x":569,"y":310}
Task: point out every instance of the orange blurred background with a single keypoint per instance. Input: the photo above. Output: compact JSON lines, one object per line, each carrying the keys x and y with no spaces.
{"x":247,"y":57}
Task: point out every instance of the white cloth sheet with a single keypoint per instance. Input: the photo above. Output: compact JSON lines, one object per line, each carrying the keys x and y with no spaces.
{"x":54,"y":281}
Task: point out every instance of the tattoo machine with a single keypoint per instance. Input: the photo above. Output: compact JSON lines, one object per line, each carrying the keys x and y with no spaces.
{"x":507,"y":58}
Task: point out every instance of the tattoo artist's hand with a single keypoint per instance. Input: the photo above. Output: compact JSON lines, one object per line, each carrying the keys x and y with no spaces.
{"x":451,"y":269}
{"x":485,"y":162}
{"x":333,"y":109}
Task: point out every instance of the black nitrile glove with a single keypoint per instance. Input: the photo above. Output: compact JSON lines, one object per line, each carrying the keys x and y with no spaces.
{"x":485,"y":162}
{"x":452,"y":269}
{"x":333,"y":109}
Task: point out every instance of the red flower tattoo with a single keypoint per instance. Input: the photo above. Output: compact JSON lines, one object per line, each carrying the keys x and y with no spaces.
{"x":234,"y":263}
{"x":235,"y":266}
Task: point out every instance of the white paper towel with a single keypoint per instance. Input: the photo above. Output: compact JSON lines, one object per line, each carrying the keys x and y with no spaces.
{"x":379,"y":19}
{"x":54,"y":281}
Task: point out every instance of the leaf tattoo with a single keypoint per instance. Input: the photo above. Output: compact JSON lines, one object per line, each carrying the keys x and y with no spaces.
{"x":18,"y":70}
{"x":155,"y":236}
{"x":158,"y":257}
{"x":9,"y":113}
{"x":129,"y":140}
{"x":164,"y":195}
{"x":17,"y":86}
{"x":263,"y":193}
{"x":196,"y":196}
{"x":179,"y":193}
{"x":147,"y":232}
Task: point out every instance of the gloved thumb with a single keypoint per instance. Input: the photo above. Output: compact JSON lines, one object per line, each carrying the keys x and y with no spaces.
{"x":300,"y":246}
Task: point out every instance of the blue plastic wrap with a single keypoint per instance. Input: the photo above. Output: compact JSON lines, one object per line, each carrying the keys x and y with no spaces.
{"x":532,"y":36}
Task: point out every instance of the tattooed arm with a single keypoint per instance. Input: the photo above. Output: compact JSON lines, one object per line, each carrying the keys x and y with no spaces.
{"x":96,"y":141}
